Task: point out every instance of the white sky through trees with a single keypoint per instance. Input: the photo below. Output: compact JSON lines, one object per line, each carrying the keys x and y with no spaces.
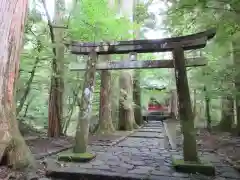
{"x":156,"y":7}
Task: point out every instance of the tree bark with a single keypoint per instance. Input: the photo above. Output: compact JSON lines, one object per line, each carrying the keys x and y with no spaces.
{"x":137,"y":94}
{"x":55,"y":106}
{"x":13,"y":149}
{"x":194,"y":103}
{"x":115,"y":97}
{"x":126,"y":111}
{"x":137,"y":98}
{"x":105,"y":118}
{"x":235,"y":6}
{"x":85,"y":105}
{"x":185,"y":109}
{"x":236,"y":59}
{"x":227,"y":118}
{"x":207,"y":109}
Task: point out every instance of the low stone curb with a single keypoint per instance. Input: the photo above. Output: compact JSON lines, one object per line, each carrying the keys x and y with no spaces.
{"x":43,"y":155}
{"x":170,"y":139}
{"x":95,"y":175}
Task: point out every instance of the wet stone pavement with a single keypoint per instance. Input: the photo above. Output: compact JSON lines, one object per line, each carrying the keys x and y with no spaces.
{"x":144,"y":154}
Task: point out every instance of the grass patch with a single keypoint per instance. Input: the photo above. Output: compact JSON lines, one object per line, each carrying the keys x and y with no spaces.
{"x":193,"y":167}
{"x":76,"y":157}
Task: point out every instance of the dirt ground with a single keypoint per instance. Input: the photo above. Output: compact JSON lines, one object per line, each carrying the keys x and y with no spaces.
{"x":222,"y":143}
{"x":42,"y":147}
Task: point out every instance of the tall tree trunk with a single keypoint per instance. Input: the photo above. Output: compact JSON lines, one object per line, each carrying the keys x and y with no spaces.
{"x":236,"y":59}
{"x":136,"y":79}
{"x":13,"y":149}
{"x":126,"y":111}
{"x":207,"y":109}
{"x":115,"y":97}
{"x":55,"y":106}
{"x":194,"y":103}
{"x":136,"y":75}
{"x":105,"y":117}
{"x":137,"y":98}
{"x":227,"y":118}
{"x":85,"y":105}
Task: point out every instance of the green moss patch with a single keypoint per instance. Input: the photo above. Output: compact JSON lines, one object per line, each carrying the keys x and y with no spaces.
{"x":193,"y":167}
{"x":76,"y":157}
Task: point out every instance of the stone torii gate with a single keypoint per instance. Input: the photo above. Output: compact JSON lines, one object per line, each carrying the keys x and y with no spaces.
{"x":176,"y":45}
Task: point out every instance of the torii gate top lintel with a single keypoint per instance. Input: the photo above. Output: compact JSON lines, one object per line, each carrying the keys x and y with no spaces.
{"x":188,"y":42}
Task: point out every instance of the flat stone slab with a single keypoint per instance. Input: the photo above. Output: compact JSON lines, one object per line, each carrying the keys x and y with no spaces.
{"x":147,"y":135}
{"x":154,"y":125}
{"x":73,"y":171}
{"x":154,"y":122}
{"x":142,"y":142}
{"x":150,"y":130}
{"x":159,"y":122}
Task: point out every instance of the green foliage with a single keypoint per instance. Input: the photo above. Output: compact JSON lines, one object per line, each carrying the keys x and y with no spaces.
{"x":94,"y":21}
{"x":191,"y":16}
{"x":141,"y":13}
{"x":88,"y":21}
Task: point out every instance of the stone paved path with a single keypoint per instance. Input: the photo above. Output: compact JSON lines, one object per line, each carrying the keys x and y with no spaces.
{"x":143,"y":155}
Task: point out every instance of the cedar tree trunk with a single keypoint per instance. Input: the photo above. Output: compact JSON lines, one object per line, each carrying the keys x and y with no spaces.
{"x":55,"y":107}
{"x":227,"y":118}
{"x":13,"y":149}
{"x":126,"y":111}
{"x":105,"y":117}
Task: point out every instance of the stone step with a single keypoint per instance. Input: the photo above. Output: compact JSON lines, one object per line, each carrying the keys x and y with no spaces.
{"x":154,"y":125}
{"x":147,"y":135}
{"x":136,"y":142}
{"x":151,"y":127}
{"x":150,"y":130}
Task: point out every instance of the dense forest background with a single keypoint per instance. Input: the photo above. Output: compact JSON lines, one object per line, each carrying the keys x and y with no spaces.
{"x":86,"y":21}
{"x":52,"y":99}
